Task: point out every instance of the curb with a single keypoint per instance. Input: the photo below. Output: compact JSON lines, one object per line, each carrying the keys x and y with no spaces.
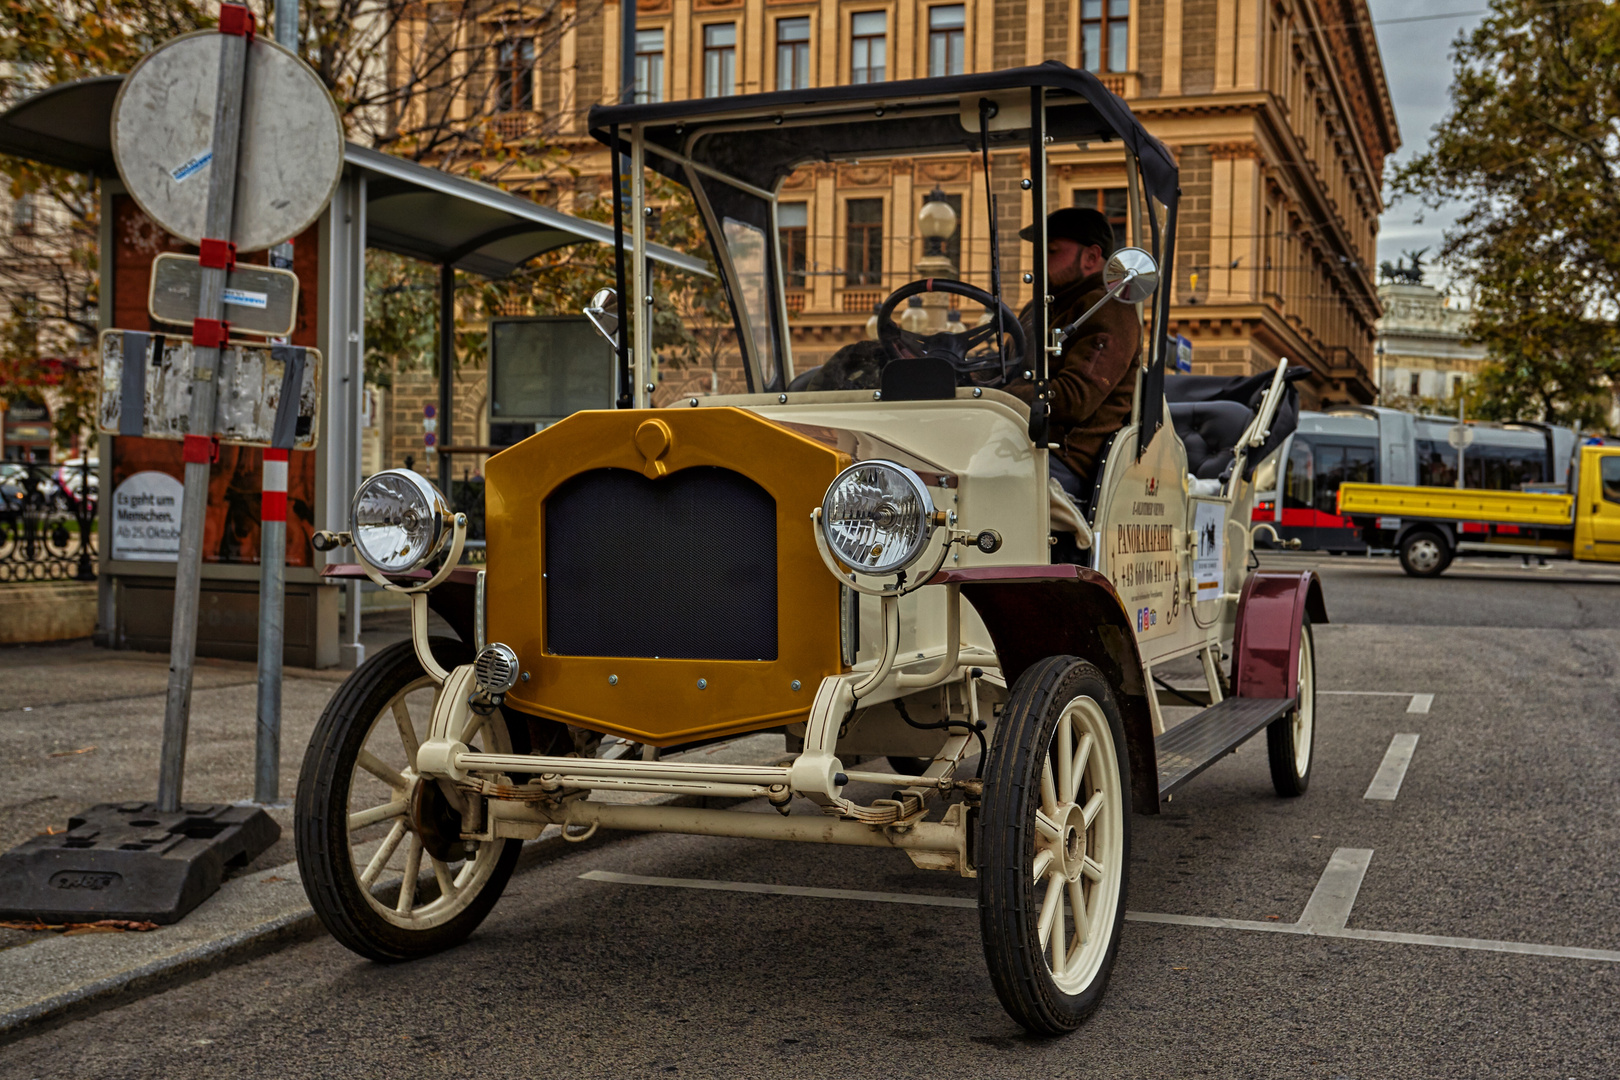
{"x":290,"y":927}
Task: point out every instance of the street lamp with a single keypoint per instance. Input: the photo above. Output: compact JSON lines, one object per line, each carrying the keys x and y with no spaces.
{"x":936,"y":222}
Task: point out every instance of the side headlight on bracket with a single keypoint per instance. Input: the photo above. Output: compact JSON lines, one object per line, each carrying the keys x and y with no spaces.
{"x":399,"y":521}
{"x":877,"y":517}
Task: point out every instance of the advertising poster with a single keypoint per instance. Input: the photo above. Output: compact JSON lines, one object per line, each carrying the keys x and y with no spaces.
{"x":1209,"y":561}
{"x":231,"y":532}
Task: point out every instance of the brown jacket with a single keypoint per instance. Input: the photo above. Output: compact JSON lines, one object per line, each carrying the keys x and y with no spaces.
{"x":1094,"y":381}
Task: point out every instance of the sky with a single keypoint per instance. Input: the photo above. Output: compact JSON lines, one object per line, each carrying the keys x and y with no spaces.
{"x":1417,"y":63}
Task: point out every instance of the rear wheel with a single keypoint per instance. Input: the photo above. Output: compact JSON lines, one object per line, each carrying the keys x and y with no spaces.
{"x":379,"y":848}
{"x":1291,"y":740}
{"x":1425,"y":553}
{"x":1055,"y":845}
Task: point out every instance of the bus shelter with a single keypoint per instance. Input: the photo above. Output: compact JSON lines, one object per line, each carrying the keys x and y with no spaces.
{"x":381,"y":202}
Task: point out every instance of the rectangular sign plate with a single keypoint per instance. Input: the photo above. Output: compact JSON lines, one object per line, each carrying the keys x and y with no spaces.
{"x":146,"y":390}
{"x":258,"y":299}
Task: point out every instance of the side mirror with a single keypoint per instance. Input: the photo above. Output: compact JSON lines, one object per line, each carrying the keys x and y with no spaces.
{"x":1138,"y":272}
{"x":603,"y":311}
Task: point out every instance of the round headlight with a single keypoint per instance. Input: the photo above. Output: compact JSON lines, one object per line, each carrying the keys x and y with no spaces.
{"x":399,"y":521}
{"x":877,"y":516}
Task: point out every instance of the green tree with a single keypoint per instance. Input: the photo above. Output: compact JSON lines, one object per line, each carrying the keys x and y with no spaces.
{"x":1530,"y":147}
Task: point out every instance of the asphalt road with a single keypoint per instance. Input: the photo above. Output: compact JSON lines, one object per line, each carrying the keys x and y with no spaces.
{"x":1504,"y":828}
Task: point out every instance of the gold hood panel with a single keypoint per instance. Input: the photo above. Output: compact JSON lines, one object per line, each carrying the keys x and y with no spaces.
{"x":659,"y":701}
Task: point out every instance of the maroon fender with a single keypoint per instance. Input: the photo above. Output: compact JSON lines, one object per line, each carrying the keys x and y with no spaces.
{"x":1265,"y":648}
{"x":1033,"y":612}
{"x":452,"y":600}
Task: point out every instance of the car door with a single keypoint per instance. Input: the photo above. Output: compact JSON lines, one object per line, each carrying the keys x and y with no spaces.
{"x":1600,"y":491}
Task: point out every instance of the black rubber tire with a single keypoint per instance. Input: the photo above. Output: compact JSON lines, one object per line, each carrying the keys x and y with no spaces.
{"x":1008,"y":905}
{"x":1280,"y":734}
{"x":1412,"y":553}
{"x":321,"y":813}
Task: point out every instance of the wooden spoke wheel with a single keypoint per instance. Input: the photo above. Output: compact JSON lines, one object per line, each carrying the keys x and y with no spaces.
{"x":379,"y":848}
{"x":1291,"y":739}
{"x":1055,"y":845}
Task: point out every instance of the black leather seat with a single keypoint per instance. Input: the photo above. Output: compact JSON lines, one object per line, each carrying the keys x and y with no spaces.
{"x":801,"y":381}
{"x":1211,"y":411}
{"x":1210,"y":431}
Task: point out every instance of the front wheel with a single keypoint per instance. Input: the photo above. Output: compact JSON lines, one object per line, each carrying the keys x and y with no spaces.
{"x":381,"y":886}
{"x":1055,"y":845}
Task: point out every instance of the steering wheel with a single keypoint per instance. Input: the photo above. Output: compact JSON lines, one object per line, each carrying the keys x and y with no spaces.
{"x":971,"y":352}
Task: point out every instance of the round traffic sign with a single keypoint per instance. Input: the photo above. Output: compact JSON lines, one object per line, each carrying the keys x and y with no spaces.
{"x":1460,"y":436}
{"x":291,"y":150}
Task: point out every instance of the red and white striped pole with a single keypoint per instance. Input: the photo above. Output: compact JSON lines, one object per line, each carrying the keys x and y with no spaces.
{"x":272,"y":589}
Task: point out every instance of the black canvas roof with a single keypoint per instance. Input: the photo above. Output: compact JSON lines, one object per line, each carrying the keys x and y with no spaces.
{"x":905,"y":119}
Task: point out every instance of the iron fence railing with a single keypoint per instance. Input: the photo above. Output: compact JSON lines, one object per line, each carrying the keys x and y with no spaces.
{"x":48,"y":522}
{"x":467,"y":497}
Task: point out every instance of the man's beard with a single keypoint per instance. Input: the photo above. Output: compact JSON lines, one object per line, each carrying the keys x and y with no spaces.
{"x":1066,"y":276}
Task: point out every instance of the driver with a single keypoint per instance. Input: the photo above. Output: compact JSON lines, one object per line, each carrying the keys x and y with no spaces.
{"x":1093,"y":382}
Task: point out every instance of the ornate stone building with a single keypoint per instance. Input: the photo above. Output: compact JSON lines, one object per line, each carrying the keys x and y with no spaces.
{"x":1423,"y":353}
{"x":1277,"y":111}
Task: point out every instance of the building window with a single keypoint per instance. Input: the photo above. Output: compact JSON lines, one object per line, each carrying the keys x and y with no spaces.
{"x":1113,"y":203}
{"x":649,"y":65}
{"x":947,"y":42}
{"x":22,"y":215}
{"x":719,"y":59}
{"x":863,"y":244}
{"x":514,"y":75}
{"x":869,"y":47}
{"x":793,"y":54}
{"x":1104,"y":38}
{"x":793,"y":226}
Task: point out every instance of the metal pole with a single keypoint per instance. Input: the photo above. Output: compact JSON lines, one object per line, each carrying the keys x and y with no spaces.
{"x":273,"y":547}
{"x":194,"y":509}
{"x":272,"y":595}
{"x":447,"y":364}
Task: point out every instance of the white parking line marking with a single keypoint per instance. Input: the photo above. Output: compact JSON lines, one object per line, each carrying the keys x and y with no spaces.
{"x":1419,"y":703}
{"x":1329,"y":906}
{"x":782,"y":890}
{"x":1386,"y":782}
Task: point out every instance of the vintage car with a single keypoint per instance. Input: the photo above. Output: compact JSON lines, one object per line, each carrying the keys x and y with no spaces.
{"x":870,"y":571}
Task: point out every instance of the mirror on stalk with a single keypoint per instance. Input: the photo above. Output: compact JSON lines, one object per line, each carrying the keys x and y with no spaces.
{"x":1137,"y":270}
{"x":603,"y":311}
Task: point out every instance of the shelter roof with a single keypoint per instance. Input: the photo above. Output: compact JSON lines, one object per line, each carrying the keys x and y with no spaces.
{"x":411,"y":209}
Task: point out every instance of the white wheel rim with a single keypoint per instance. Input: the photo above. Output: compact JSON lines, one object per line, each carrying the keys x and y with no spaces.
{"x":1305,"y":707}
{"x":383,"y":848}
{"x":1425,"y":554}
{"x":1079,"y":846}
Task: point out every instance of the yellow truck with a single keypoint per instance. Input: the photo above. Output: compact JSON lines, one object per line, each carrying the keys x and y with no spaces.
{"x":1428,"y":527}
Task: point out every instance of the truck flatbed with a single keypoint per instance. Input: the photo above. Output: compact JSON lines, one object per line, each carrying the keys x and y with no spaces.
{"x":1459,"y":504}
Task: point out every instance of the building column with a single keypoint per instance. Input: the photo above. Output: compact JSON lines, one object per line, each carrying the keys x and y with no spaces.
{"x":823,"y":228}
{"x":1170,"y":81}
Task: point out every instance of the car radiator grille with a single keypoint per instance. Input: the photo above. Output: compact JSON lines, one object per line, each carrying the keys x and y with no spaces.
{"x":683,"y":567}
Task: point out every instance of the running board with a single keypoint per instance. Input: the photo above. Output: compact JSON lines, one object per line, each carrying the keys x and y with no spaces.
{"x":1194,"y":745}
